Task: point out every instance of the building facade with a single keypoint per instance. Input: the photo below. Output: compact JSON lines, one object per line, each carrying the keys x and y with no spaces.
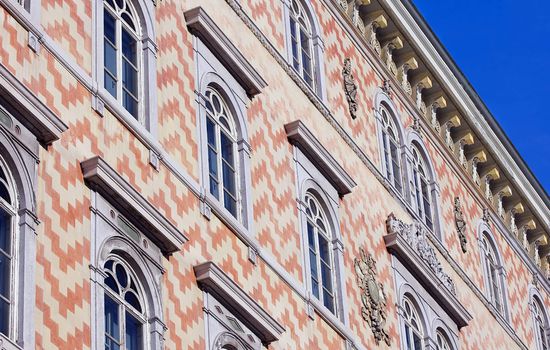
{"x":283,"y":174}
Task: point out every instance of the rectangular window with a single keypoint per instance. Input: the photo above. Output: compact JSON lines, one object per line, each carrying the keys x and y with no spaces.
{"x":395,"y":165}
{"x":229,"y":174}
{"x":129,"y":73}
{"x":109,"y":53}
{"x":313,"y":260}
{"x":212,"y":158}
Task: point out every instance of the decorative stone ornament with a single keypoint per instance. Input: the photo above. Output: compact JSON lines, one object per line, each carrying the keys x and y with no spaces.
{"x":386,"y":87}
{"x":460,"y":225}
{"x":373,"y":297}
{"x":350,"y":87}
{"x":486,"y":215}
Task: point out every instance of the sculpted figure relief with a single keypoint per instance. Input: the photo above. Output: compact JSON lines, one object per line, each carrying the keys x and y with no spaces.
{"x":373,"y":298}
{"x":460,"y":225}
{"x":350,"y":88}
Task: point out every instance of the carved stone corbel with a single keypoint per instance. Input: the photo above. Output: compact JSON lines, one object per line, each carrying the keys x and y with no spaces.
{"x":377,"y":21}
{"x":525,"y":227}
{"x":387,"y":53}
{"x":491,"y":175}
{"x":403,"y":73}
{"x":460,"y":225}
{"x":506,"y":191}
{"x":373,"y":298}
{"x":479,"y":157}
{"x":466,"y":139}
{"x":535,"y":246}
{"x":438,"y":103}
{"x":423,"y":84}
{"x":350,"y":88}
{"x":452,"y":122}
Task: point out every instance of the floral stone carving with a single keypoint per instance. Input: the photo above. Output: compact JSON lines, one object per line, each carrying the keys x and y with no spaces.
{"x":350,"y":88}
{"x":415,"y":237}
{"x":460,"y":225}
{"x":373,"y":297}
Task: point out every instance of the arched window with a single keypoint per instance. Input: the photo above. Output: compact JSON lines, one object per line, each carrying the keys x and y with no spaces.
{"x":320,"y":251}
{"x":412,"y":326}
{"x":124,"y":309}
{"x":122,"y":59}
{"x":442,"y":342}
{"x":391,"y":145}
{"x":222,"y":152}
{"x":541,"y":324}
{"x":493,"y":273}
{"x":301,"y":42}
{"x":8,"y":213}
{"x":420,"y":183}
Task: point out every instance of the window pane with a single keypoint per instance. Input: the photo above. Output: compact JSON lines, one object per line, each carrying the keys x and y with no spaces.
{"x":315,"y":287}
{"x":133,"y":333}
{"x":226,"y":148}
{"x":211,"y":132}
{"x":5,"y":232}
{"x":130,"y":103}
{"x":311,"y":236}
{"x":109,"y":83}
{"x":214,"y":188}
{"x":112,"y":325}
{"x":5,"y":273}
{"x":109,"y":57}
{"x":229,"y":179}
{"x":313,"y":265}
{"x":230,"y":204}
{"x":328,"y":300}
{"x":395,"y":164}
{"x":417,"y":342}
{"x":109,"y":27}
{"x":129,"y":47}
{"x":324,"y":249}
{"x":129,"y":77}
{"x":212,"y":162}
{"x":326,"y":273}
{"x":4,"y":317}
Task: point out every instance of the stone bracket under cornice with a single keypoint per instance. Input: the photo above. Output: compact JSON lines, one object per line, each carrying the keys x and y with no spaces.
{"x":300,"y":136}
{"x":204,"y":27}
{"x":100,"y":177}
{"x":410,"y":244}
{"x":212,"y":279}
{"x":26,"y":107}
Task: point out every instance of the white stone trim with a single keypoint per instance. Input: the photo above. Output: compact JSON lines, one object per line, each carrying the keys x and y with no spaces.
{"x":202,"y":26}
{"x":104,"y":179}
{"x":300,"y":136}
{"x":213,"y":280}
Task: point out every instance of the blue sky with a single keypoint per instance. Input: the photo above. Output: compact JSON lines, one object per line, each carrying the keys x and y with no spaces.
{"x":503,"y":48}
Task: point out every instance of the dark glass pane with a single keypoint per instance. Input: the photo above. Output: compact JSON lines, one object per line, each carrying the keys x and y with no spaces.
{"x":112,"y":324}
{"x":133,"y":300}
{"x":224,"y":122}
{"x":328,"y":301}
{"x":133,"y":333}
{"x":229,"y":179}
{"x":5,"y":273}
{"x":214,"y":189}
{"x":111,"y":283}
{"x":211,"y":132}
{"x":109,"y":265}
{"x":313,"y":264}
{"x":324,"y":249}
{"x":311,"y":236}
{"x":109,"y":27}
{"x":395,"y":164}
{"x":109,"y":84}
{"x":109,"y":57}
{"x":129,"y":78}
{"x":212,"y":162}
{"x":120,"y":4}
{"x":321,"y":225}
{"x":4,"y":193}
{"x":130,"y":104}
{"x":226,"y":148}
{"x":230,"y":204}
{"x":417,"y":342}
{"x":4,"y":317}
{"x":216,"y":103}
{"x":129,"y":47}
{"x":408,"y":336}
{"x":326,"y":274}
{"x":315,"y":287}
{"x":5,"y":232}
{"x":121,"y":276}
{"x":126,"y":17}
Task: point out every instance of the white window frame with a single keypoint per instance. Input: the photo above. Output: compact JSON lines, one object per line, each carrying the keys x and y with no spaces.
{"x":147,"y":55}
{"x":488,"y":249}
{"x":408,"y":328}
{"x":317,"y":45}
{"x":115,"y":235}
{"x":539,"y":316}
